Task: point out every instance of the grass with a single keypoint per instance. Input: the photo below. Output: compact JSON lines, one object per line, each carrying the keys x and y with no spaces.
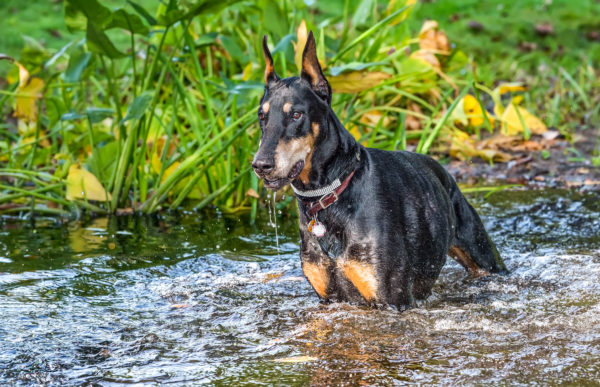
{"x":159,"y":112}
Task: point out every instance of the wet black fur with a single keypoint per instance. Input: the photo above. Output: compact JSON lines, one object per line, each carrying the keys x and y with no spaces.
{"x":405,"y":204}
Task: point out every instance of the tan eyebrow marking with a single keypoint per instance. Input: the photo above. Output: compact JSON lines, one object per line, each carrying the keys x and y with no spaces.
{"x":265,"y":107}
{"x":287,"y":107}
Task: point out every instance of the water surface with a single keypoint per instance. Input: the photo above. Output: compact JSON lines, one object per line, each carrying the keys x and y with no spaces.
{"x":191,"y":299}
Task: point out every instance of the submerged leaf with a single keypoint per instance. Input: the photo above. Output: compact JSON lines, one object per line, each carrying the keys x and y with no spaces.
{"x":82,"y":184}
{"x":296,"y":359}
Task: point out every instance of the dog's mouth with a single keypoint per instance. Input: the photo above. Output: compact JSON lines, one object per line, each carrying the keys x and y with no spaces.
{"x":295,"y":171}
{"x":276,"y":184}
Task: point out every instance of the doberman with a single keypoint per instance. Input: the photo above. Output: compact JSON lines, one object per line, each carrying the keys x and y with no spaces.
{"x":375,"y":226}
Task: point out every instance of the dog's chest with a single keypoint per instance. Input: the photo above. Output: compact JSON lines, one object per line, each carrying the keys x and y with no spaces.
{"x":329,"y":242}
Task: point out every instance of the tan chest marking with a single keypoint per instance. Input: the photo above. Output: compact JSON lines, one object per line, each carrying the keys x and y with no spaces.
{"x":363,"y":277}
{"x":318,"y":276}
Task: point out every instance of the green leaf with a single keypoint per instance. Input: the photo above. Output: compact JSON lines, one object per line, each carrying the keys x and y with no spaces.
{"x":78,"y":13}
{"x":96,"y":115}
{"x":232,"y":47}
{"x":127,"y":21}
{"x":206,"y":39}
{"x":274,"y":20}
{"x":362,"y":12}
{"x":283,"y":44}
{"x":103,"y":161}
{"x":139,"y":106}
{"x":77,"y":64}
{"x":71,"y":116}
{"x":143,"y":13}
{"x":353,"y":66}
{"x":97,"y":41}
{"x":172,"y":14}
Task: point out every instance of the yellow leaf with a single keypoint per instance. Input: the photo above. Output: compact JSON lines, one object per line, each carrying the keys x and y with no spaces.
{"x":172,"y":168}
{"x":302,"y":35}
{"x":355,"y":132}
{"x":27,"y":95}
{"x":474,"y":112}
{"x":392,"y":6}
{"x":511,"y":123}
{"x":247,"y":73}
{"x":355,"y":81}
{"x":296,"y":359}
{"x":463,"y":146}
{"x":82,"y":184}
{"x":156,"y":163}
{"x":428,"y":57}
{"x":504,"y":88}
{"x":44,"y":143}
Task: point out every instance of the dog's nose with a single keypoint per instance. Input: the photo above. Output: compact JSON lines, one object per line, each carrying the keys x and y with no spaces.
{"x":263,"y":166}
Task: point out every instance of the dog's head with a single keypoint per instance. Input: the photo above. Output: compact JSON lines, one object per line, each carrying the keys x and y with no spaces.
{"x":291,"y":114}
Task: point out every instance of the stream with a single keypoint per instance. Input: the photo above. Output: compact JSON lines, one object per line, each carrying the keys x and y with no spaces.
{"x":193,"y":299}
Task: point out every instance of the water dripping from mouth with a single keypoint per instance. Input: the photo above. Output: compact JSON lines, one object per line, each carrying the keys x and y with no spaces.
{"x":273,"y":221}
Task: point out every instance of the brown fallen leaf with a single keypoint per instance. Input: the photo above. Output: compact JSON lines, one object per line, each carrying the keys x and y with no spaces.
{"x":528,"y":146}
{"x":544,"y":29}
{"x":252,"y":193}
{"x":463,"y":147}
{"x":593,"y":35}
{"x":432,"y":38}
{"x":474,"y":25}
{"x":527,"y":46}
{"x":413,"y":122}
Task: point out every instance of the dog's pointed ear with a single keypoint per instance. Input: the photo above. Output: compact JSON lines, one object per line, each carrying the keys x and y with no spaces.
{"x":270,"y":75}
{"x":311,"y":70}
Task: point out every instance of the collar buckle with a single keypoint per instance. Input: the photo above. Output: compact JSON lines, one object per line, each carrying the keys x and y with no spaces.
{"x":326,"y":201}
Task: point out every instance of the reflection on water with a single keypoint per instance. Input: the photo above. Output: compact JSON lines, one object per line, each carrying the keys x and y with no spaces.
{"x":187,"y":299}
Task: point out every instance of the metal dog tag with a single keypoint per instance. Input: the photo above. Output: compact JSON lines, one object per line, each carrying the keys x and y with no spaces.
{"x":318,"y":229}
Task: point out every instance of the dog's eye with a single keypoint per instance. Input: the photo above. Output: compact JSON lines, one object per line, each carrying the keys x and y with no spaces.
{"x":261,"y":116}
{"x":296,"y":115}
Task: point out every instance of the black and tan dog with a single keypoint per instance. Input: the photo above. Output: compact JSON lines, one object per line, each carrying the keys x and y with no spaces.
{"x":375,"y":226}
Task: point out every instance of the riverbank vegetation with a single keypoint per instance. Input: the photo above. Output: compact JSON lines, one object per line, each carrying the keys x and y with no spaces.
{"x":140,"y":106}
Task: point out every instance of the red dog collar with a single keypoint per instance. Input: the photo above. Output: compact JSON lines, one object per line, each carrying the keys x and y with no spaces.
{"x":328,"y":199}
